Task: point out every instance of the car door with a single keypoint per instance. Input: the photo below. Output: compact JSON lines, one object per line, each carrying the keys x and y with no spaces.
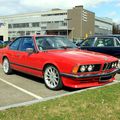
{"x":13,"y":53}
{"x":32,"y":62}
{"x":105,"y":45}
{"x":117,"y":48}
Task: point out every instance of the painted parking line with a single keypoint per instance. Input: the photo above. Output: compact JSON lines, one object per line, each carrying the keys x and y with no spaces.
{"x":22,"y":90}
{"x":54,"y":97}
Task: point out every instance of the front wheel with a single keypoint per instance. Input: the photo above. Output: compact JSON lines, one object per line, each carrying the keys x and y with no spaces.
{"x":52,"y":78}
{"x":6,"y":66}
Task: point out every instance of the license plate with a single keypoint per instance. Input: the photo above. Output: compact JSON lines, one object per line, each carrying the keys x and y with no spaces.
{"x":105,"y":78}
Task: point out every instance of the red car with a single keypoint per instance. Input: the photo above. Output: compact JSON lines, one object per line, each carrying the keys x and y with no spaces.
{"x":58,"y":61}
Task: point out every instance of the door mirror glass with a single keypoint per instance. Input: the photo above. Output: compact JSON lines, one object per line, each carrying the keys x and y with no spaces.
{"x":29,"y":50}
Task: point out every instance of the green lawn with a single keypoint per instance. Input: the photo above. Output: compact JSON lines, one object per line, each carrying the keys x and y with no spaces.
{"x":97,"y":104}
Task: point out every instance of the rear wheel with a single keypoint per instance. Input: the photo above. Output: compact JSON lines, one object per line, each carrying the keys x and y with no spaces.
{"x":6,"y":66}
{"x":52,"y":78}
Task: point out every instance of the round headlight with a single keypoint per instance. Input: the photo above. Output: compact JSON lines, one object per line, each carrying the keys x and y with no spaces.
{"x":82,"y":68}
{"x":113,"y":65}
{"x":116,"y":64}
{"x":90,"y":68}
{"x":119,"y":64}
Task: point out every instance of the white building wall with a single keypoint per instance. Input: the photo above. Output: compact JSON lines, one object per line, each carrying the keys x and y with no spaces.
{"x":49,"y":20}
{"x":103,"y":25}
{"x":4,"y":30}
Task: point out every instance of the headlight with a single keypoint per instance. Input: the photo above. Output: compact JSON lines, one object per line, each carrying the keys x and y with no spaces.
{"x":116,"y":64}
{"x":83,"y":68}
{"x":90,"y":68}
{"x":113,"y":65}
{"x":119,"y":64}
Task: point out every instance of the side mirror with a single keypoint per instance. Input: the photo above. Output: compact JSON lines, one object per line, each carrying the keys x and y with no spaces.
{"x":29,"y":50}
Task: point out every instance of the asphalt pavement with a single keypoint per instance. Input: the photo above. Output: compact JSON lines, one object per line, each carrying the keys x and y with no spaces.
{"x":21,"y":88}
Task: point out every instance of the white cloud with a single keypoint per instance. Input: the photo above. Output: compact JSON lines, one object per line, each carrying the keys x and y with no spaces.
{"x":20,"y":6}
{"x":46,"y":4}
{"x":112,"y":14}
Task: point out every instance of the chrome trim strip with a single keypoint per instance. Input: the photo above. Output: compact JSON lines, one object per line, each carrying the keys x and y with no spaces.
{"x":89,"y":75}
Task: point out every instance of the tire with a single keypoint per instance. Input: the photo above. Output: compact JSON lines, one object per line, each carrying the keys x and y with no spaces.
{"x":6,"y":66}
{"x":52,"y":78}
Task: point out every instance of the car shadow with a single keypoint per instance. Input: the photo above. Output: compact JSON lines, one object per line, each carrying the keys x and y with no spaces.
{"x":40,"y":80}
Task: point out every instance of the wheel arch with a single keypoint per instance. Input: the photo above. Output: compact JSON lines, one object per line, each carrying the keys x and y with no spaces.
{"x":48,"y":64}
{"x":4,"y":58}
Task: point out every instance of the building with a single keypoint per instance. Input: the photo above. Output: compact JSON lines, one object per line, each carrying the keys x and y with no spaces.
{"x":103,"y":26}
{"x":81,"y":22}
{"x":50,"y":22}
{"x":3,"y":30}
{"x":77,"y":23}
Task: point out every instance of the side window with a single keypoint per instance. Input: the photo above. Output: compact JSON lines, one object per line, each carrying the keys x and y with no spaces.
{"x":27,"y":43}
{"x":104,"y":42}
{"x":100,"y":42}
{"x":15,"y":44}
{"x":117,"y":43}
{"x":88,"y":42}
{"x":109,"y":42}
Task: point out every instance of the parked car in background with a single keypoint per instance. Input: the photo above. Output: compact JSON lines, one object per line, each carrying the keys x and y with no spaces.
{"x":103,"y":44}
{"x":58,"y":61}
{"x":3,"y":43}
{"x":78,"y":42}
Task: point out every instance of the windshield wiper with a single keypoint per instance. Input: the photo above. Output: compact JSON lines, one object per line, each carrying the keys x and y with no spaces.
{"x":66,"y":47}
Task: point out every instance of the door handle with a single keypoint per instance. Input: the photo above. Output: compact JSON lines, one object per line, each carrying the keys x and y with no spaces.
{"x":18,"y":55}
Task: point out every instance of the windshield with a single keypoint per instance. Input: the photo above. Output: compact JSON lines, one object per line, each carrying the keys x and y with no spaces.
{"x":88,"y":42}
{"x":54,"y":42}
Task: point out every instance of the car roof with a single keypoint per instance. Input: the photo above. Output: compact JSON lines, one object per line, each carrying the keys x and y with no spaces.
{"x":43,"y":36}
{"x":114,"y":35}
{"x":103,"y":36}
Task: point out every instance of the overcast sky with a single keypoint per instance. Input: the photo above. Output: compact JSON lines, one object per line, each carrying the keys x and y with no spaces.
{"x":102,"y":8}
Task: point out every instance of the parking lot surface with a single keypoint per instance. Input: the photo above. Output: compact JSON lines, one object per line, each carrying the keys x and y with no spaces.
{"x":19,"y":88}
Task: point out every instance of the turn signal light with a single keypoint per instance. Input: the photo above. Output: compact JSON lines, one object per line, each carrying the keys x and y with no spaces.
{"x":75,"y":69}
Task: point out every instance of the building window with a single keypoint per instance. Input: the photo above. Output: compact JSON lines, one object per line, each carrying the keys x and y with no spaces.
{"x":21,"y":25}
{"x":36,"y":24}
{"x":54,"y":14}
{"x":43,"y":28}
{"x":27,"y":32}
{"x":9,"y":25}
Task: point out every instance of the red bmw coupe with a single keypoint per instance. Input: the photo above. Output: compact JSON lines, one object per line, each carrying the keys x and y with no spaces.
{"x":58,"y":61}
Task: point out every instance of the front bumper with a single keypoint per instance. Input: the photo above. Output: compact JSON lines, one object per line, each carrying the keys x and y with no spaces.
{"x":90,"y":75}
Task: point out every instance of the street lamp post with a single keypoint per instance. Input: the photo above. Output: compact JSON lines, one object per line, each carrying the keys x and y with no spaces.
{"x":72,"y":33}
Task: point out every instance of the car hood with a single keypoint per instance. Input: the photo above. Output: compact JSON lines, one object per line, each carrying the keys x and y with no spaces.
{"x":82,"y":56}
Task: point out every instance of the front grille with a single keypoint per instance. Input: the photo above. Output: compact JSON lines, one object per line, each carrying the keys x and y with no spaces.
{"x":108,"y":66}
{"x":97,"y":67}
